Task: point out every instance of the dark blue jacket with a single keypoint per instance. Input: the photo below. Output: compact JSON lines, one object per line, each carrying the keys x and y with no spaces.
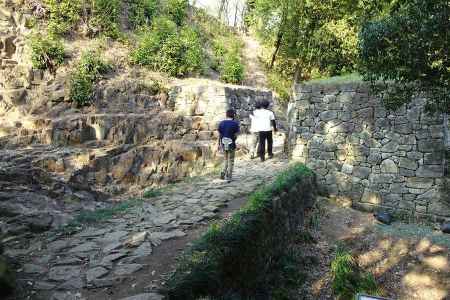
{"x":229,"y":129}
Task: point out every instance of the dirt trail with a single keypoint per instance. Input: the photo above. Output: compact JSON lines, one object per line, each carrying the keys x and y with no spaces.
{"x":255,"y":75}
{"x":409,"y":261}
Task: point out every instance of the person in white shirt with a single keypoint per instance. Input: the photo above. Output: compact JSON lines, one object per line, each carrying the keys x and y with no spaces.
{"x":254,"y":133}
{"x":264,"y":120}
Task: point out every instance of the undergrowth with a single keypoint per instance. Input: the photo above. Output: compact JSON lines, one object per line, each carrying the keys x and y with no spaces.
{"x":169,"y":48}
{"x":245,"y":256}
{"x":47,"y":53}
{"x":142,"y":12}
{"x":88,"y":70}
{"x":100,"y":16}
{"x":349,"y":279}
{"x":224,"y":47}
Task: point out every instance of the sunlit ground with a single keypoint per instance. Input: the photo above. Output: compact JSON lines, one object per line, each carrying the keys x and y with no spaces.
{"x":409,"y":261}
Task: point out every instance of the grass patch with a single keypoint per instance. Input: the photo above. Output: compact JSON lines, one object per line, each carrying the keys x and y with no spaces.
{"x":343,"y":79}
{"x":244,"y":257}
{"x":349,"y":279}
{"x":87,"y":217}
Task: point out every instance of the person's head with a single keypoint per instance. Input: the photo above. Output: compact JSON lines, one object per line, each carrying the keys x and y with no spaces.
{"x":230,"y":113}
{"x":265,"y":104}
{"x":258,"y":105}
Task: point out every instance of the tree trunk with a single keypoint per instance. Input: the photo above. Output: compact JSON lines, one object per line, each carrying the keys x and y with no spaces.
{"x":236,"y":13}
{"x":277,"y":48}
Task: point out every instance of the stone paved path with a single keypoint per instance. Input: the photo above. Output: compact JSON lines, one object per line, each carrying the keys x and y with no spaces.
{"x":103,"y":255}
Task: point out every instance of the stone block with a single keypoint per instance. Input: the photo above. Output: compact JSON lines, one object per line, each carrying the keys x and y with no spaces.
{"x":361,"y":172}
{"x":433,"y":158}
{"x":429,"y":196}
{"x":414,"y":155}
{"x":390,"y":147}
{"x":398,"y":188}
{"x":407,"y":164}
{"x":407,"y":172}
{"x":389,"y":166}
{"x":328,"y":115}
{"x":347,"y":169}
{"x":371,"y":197}
{"x":430,"y":145}
{"x":430,"y":171}
{"x":381,"y":178}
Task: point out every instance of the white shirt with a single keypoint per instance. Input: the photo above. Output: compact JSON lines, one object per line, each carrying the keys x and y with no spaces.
{"x":261,"y":120}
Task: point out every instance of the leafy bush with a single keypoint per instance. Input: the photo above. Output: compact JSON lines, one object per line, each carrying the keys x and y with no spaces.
{"x":47,"y":53}
{"x":233,"y":260}
{"x":231,"y":69}
{"x":349,"y":279}
{"x":105,"y":17}
{"x":166,"y":48}
{"x":64,"y":15}
{"x":176,"y":10}
{"x":142,"y":12}
{"x":88,"y":71}
{"x":280,"y":84}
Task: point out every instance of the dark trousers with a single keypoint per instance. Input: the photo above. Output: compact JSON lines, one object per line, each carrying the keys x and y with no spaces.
{"x":263,"y":136}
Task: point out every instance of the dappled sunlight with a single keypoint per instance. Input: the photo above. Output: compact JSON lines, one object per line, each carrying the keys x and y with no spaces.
{"x":370,"y":257}
{"x":423,"y":245}
{"x":423,"y":286}
{"x":438,"y":262}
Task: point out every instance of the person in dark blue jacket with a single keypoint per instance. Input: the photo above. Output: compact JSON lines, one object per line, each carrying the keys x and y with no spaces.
{"x":228,"y":131}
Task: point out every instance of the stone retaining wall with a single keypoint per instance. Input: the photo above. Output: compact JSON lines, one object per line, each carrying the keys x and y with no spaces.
{"x":368,"y":155}
{"x":208,"y":101}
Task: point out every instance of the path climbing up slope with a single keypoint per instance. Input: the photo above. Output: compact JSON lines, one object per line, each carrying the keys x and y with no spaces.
{"x":254,"y":72}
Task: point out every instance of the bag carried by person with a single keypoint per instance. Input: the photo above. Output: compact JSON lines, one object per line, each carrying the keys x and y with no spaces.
{"x":226,"y":143}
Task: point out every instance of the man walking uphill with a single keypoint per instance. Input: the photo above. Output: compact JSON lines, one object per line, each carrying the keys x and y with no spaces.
{"x":228,"y":130}
{"x":265,"y":120}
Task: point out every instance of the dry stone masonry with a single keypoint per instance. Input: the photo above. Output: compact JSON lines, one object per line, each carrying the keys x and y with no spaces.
{"x":366,"y":154}
{"x":209,"y":101}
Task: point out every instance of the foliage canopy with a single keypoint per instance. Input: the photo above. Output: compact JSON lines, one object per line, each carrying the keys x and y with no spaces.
{"x":410,"y":48}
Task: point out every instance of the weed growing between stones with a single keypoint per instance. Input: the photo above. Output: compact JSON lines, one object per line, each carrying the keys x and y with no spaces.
{"x":47,"y":53}
{"x":349,"y":279}
{"x":90,"y":68}
{"x":86,"y":217}
{"x":244,"y":257}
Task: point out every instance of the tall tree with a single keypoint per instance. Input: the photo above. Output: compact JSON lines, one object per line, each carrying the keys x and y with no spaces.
{"x":411,"y":48}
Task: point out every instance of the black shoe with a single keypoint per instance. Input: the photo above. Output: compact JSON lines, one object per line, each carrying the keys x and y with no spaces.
{"x":262,"y":159}
{"x":270,"y":156}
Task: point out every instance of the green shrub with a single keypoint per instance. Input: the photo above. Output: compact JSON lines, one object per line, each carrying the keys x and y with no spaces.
{"x":181,"y":54}
{"x":142,"y":12}
{"x":47,"y":53}
{"x":87,"y":72}
{"x":166,"y":48}
{"x":150,"y":42}
{"x":105,"y":17}
{"x":176,"y":10}
{"x":349,"y":279}
{"x":238,"y":258}
{"x":63,"y":15}
{"x":280,"y":84}
{"x":231,"y":69}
